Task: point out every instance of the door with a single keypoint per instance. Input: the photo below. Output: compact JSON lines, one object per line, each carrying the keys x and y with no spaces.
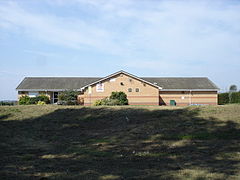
{"x":55,"y":97}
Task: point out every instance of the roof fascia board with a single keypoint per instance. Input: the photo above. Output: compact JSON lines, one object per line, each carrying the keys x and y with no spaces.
{"x":119,"y":72}
{"x":190,"y":90}
{"x":47,"y":89}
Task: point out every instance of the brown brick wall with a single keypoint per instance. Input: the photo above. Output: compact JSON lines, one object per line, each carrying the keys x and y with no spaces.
{"x":184,"y":98}
{"x":147,"y":95}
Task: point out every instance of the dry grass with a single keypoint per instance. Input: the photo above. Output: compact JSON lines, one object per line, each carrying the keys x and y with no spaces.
{"x":72,"y":142}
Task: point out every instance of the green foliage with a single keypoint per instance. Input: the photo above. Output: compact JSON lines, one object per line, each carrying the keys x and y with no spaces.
{"x":235,"y":97}
{"x":41,"y":103}
{"x":6,"y":103}
{"x":33,"y":100}
{"x":98,"y":102}
{"x":223,"y":98}
{"x":102,"y":102}
{"x":231,"y":97}
{"x":43,"y":98}
{"x":113,"y":102}
{"x":233,"y":88}
{"x":121,"y":98}
{"x":116,"y":98}
{"x":68,"y":97}
{"x":26,"y":100}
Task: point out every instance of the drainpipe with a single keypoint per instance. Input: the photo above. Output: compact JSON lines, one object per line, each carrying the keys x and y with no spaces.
{"x":190,"y":97}
{"x":90,"y":94}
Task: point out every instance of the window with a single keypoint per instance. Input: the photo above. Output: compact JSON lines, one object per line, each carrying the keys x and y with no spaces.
{"x":121,"y":83}
{"x":33,"y":94}
{"x":129,"y":89}
{"x":137,"y":89}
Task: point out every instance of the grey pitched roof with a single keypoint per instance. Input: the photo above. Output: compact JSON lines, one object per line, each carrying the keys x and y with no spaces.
{"x":59,"y":83}
{"x":182,"y":83}
{"x":62,"y":83}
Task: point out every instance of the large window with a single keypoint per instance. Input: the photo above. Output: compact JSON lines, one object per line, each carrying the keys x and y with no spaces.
{"x":33,"y":94}
{"x":129,"y":89}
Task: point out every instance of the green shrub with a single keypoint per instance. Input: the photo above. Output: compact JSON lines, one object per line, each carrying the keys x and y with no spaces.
{"x":24,"y":100}
{"x":116,"y":98}
{"x":102,"y":102}
{"x":68,"y":97}
{"x":98,"y":102}
{"x":121,"y":98}
{"x":33,"y":100}
{"x":41,"y":103}
{"x":223,"y":98}
{"x":43,"y":98}
{"x":113,"y":102}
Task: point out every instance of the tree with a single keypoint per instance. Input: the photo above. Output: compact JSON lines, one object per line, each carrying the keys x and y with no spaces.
{"x":68,"y":97}
{"x":233,"y":88}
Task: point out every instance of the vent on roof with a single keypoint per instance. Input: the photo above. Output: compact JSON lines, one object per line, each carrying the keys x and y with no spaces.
{"x":155,"y":83}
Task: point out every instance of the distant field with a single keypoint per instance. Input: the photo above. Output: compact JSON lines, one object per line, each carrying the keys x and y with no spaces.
{"x":72,"y":142}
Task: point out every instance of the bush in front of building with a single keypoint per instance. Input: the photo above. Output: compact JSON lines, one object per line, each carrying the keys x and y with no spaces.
{"x":33,"y":100}
{"x":106,"y":102}
{"x":43,"y":98}
{"x":41,"y":103}
{"x":119,"y":97}
{"x":68,"y":97}
{"x":26,"y":100}
{"x":116,"y":99}
{"x":99,"y":102}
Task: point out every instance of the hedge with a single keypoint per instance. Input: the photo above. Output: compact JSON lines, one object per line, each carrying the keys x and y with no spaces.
{"x":235,"y":97}
{"x":223,"y":98}
{"x":231,"y":97}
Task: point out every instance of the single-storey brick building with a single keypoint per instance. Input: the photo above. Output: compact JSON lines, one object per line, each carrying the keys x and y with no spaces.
{"x":140,"y":90}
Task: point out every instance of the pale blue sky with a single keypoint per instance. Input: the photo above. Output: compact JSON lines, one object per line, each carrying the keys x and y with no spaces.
{"x":164,"y":38}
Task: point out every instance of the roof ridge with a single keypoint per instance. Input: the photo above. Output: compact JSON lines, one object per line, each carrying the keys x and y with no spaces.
{"x":175,"y":77}
{"x":64,"y":77}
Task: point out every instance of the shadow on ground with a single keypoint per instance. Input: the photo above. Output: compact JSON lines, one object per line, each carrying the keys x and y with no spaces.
{"x":128,"y":143}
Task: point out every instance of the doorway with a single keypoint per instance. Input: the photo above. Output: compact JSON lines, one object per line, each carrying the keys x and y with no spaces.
{"x":55,"y":97}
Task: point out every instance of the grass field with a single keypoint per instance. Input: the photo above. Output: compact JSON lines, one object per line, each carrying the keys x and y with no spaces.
{"x":72,"y":142}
